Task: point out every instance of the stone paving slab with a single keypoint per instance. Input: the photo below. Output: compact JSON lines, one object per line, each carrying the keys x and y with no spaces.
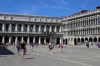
{"x":71,"y":56}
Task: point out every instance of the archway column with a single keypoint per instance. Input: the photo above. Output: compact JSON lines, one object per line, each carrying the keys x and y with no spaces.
{"x":16,"y":39}
{"x":39,"y":40}
{"x":10,"y":39}
{"x":72,"y":41}
{"x":61,"y":40}
{"x":28,"y":40}
{"x":3,"y":39}
{"x":34,"y":39}
{"x":22,"y":39}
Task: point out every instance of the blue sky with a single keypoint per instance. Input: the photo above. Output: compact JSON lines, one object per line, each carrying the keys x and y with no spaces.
{"x":58,"y":8}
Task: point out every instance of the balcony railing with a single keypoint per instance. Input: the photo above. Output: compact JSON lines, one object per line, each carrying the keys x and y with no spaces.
{"x":33,"y":32}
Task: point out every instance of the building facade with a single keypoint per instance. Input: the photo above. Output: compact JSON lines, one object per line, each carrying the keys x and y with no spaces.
{"x":38,"y":29}
{"x":82,"y":26}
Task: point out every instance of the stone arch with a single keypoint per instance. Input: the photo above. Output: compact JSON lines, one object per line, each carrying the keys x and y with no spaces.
{"x":86,"y":39}
{"x":90,"y":39}
{"x":95,"y":39}
{"x":78,"y":39}
{"x":99,"y":39}
{"x":75,"y":41}
{"x":66,"y":41}
{"x":82,"y":39}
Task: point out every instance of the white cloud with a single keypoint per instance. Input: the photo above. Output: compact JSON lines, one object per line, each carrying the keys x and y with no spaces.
{"x":31,"y":9}
{"x":27,"y":9}
{"x":83,"y":6}
{"x":61,"y":2}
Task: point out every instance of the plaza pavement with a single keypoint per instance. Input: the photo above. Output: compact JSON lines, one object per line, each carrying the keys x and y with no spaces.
{"x":71,"y":56}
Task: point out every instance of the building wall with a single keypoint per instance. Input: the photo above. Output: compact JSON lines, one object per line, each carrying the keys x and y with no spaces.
{"x":38,"y":29}
{"x":81,"y":27}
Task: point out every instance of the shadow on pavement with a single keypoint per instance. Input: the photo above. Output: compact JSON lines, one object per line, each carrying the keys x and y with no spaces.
{"x":5,"y":51}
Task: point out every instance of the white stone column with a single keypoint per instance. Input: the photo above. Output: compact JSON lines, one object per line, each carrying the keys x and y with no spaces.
{"x":10,"y":26}
{"x":10,"y":39}
{"x":28,"y":28}
{"x":16,"y":27}
{"x":60,"y":28}
{"x":72,"y":41}
{"x":3,"y":39}
{"x":55,"y":28}
{"x":22,"y":28}
{"x":44,"y":28}
{"x":28,"y":40}
{"x":50,"y":39}
{"x":45,"y":40}
{"x":3,"y":27}
{"x":34,"y":39}
{"x":16,"y":40}
{"x":22,"y":39}
{"x":39,"y":40}
{"x":34,"y":28}
{"x":39,"y":28}
{"x":60,"y":40}
{"x":50,"y":28}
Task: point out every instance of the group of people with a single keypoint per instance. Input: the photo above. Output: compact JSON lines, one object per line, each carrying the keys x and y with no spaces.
{"x":88,"y":43}
{"x":51,"y":46}
{"x":21,"y":48}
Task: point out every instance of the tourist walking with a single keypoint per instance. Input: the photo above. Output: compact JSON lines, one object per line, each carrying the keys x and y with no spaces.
{"x":87,"y":44}
{"x":23,"y":49}
{"x":32,"y":45}
{"x":51,"y":46}
{"x":18,"y":48}
{"x":60,"y":46}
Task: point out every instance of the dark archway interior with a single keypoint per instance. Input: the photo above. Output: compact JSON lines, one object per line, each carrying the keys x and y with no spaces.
{"x":25,"y":39}
{"x":0,"y":38}
{"x":47,"y":40}
{"x":78,"y":39}
{"x":12,"y":39}
{"x":19,"y":38}
{"x":90,"y":39}
{"x":86,"y":39}
{"x":6,"y":39}
{"x":58,"y":40}
{"x":36,"y":40}
{"x":75,"y":41}
{"x":31,"y":39}
{"x":66,"y":41}
{"x":42,"y":40}
{"x":95,"y":39}
{"x":82,"y":39}
{"x":99,"y":39}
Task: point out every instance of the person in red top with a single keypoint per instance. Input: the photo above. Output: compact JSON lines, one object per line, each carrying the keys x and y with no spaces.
{"x":60,"y":46}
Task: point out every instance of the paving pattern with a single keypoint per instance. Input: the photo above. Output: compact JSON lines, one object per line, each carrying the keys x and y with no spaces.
{"x":71,"y":56}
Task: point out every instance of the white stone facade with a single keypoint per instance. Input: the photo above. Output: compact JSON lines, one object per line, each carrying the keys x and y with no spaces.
{"x":28,"y":28}
{"x":81,"y":27}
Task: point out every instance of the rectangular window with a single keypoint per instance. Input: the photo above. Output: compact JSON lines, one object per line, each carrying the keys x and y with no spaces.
{"x":13,"y":27}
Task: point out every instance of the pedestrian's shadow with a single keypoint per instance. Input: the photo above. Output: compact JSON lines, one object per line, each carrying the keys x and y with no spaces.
{"x":63,"y":52}
{"x":30,"y":58}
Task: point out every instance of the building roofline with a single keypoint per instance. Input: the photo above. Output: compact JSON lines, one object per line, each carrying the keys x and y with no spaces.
{"x":28,"y":15}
